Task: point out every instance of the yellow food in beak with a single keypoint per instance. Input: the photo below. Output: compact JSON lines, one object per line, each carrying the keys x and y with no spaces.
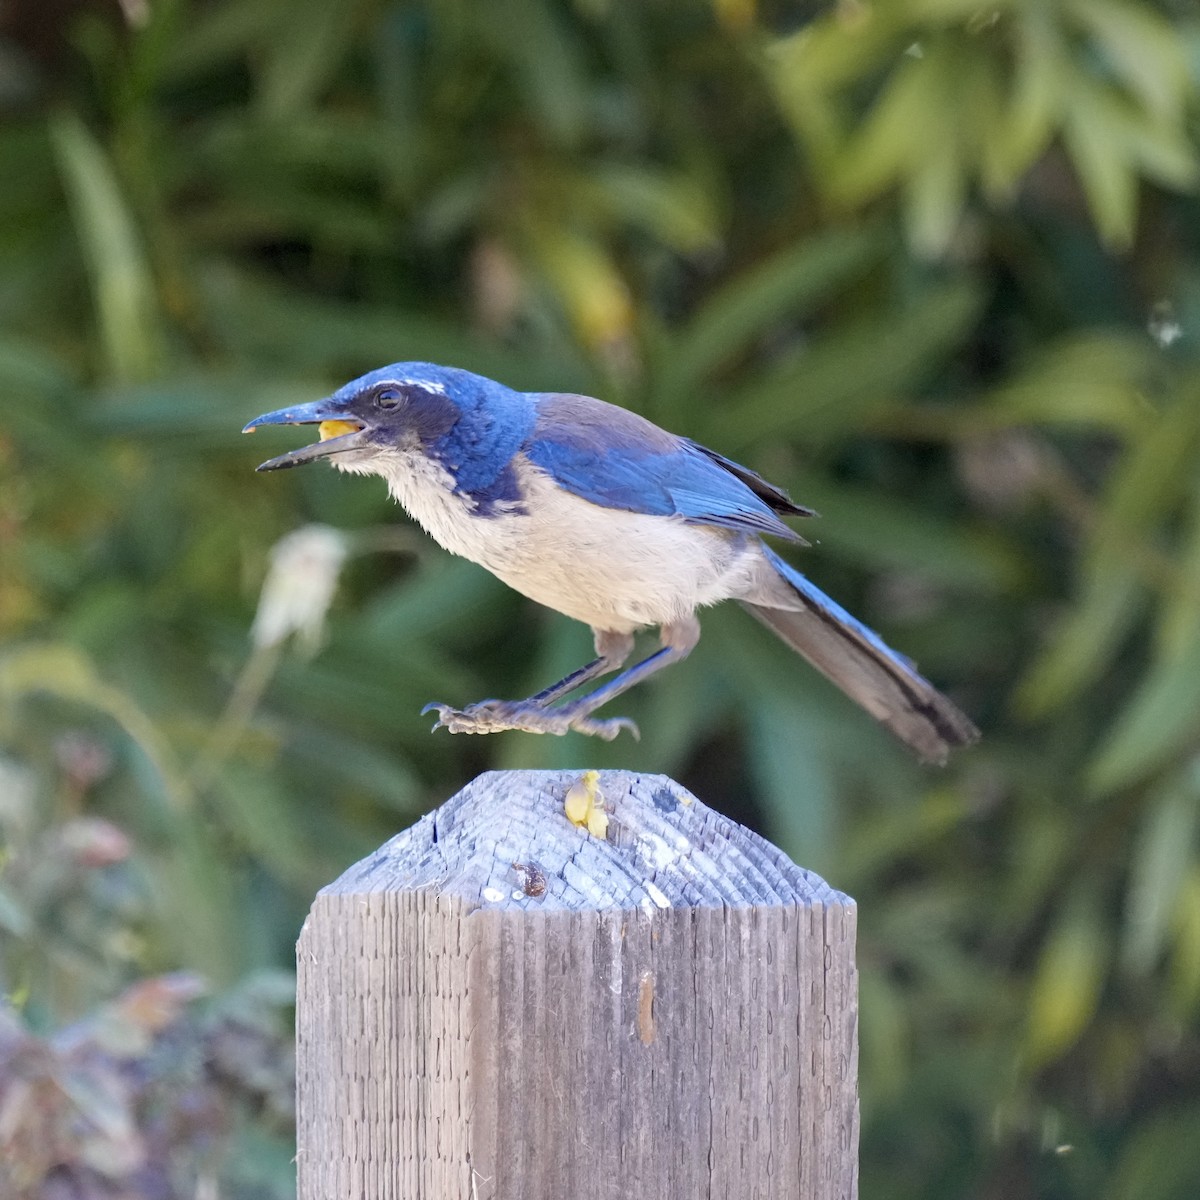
{"x":332,"y":429}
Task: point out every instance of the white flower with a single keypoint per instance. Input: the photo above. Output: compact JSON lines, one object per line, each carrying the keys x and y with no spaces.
{"x":18,"y":792}
{"x":299,"y":586}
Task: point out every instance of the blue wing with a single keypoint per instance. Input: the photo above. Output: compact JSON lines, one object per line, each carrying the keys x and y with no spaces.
{"x":616,"y":459}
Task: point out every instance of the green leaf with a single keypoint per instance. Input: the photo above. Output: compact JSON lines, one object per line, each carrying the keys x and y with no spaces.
{"x":824,"y":55}
{"x":59,"y":669}
{"x":442,"y":595}
{"x":894,"y":138}
{"x":1143,"y":488}
{"x":1184,"y":989}
{"x":339,"y":764}
{"x":1179,"y":614}
{"x":1163,"y":856}
{"x":1082,"y":381}
{"x":216,"y":38}
{"x":305,"y":47}
{"x":1149,"y":479}
{"x":1161,"y":719}
{"x":199,"y":902}
{"x":589,"y":284}
{"x":15,"y":920}
{"x":1166,"y":154}
{"x":827,"y":387}
{"x":545,"y":61}
{"x":122,"y":287}
{"x":879,"y":532}
{"x":1144,"y":49}
{"x":1084,"y":643}
{"x":1066,"y":985}
{"x":258,"y":319}
{"x":786,"y":287}
{"x":934,"y":194}
{"x":1095,"y":133}
{"x":29,"y":368}
{"x":675,"y":208}
{"x":255,"y":810}
{"x":1023,"y":126}
{"x":1160,"y":1159}
{"x":886,"y":1039}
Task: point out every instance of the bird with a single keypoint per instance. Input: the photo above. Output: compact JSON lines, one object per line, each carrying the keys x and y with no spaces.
{"x":596,"y":512}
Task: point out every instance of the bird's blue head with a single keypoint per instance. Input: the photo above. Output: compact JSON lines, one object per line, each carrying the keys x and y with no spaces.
{"x":469,"y":424}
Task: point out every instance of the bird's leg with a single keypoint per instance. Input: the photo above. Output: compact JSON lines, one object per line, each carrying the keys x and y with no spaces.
{"x":532,"y":716}
{"x":612,"y":650}
{"x":678,"y":641}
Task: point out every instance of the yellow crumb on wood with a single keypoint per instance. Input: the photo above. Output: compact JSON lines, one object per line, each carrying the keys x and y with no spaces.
{"x":597,"y":823}
{"x":584,"y":805}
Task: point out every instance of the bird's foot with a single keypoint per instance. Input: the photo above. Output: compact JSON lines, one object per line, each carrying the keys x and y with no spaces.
{"x":493,"y":716}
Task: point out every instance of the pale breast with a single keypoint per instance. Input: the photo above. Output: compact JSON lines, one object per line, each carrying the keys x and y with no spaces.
{"x":614,"y":570}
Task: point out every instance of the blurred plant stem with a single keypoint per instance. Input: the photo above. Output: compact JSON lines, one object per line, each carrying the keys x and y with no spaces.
{"x":236,"y":716}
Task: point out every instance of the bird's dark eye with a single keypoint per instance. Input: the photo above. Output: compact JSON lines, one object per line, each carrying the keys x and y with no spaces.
{"x":387,"y":397}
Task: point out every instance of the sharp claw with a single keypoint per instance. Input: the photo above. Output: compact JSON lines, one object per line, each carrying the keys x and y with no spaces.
{"x":445,"y":717}
{"x":495,"y":716}
{"x":441,"y":710}
{"x":608,"y":729}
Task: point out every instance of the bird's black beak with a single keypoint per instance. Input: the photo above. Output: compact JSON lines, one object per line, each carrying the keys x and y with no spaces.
{"x":339,"y":432}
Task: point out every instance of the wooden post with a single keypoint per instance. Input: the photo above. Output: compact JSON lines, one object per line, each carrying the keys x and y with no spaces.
{"x":498,"y":1005}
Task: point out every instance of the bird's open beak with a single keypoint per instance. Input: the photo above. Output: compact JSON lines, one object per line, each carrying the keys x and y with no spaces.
{"x":339,"y":432}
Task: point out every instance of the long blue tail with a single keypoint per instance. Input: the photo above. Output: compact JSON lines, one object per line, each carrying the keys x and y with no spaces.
{"x":857,"y":659}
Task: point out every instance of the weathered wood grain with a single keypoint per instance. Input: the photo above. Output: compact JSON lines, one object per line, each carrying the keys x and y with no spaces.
{"x":498,"y":1006}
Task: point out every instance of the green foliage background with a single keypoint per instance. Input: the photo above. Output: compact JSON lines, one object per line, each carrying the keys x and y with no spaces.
{"x":930,"y":264}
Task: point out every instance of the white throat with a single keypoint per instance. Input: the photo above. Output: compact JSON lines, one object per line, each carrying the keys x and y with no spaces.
{"x":425,"y":490}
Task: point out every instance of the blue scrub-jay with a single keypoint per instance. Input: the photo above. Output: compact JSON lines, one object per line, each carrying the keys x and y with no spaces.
{"x":599,"y":514}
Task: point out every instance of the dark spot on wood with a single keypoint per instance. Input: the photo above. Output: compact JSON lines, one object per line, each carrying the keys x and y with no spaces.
{"x":531,"y":877}
{"x":645,"y":1008}
{"x":664,"y":800}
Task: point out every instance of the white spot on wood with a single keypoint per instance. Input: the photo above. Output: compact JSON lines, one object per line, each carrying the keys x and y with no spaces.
{"x":658,"y":852}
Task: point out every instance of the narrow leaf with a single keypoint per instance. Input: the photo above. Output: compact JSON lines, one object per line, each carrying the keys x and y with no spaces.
{"x":1163,"y":853}
{"x":784,"y":288}
{"x":122,"y":286}
{"x":1162,"y":719}
{"x":1066,"y":985}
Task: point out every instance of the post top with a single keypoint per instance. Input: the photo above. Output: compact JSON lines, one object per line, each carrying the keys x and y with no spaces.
{"x":504,"y":842}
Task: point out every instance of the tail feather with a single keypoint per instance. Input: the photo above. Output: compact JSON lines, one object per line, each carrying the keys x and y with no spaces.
{"x":855,"y":658}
